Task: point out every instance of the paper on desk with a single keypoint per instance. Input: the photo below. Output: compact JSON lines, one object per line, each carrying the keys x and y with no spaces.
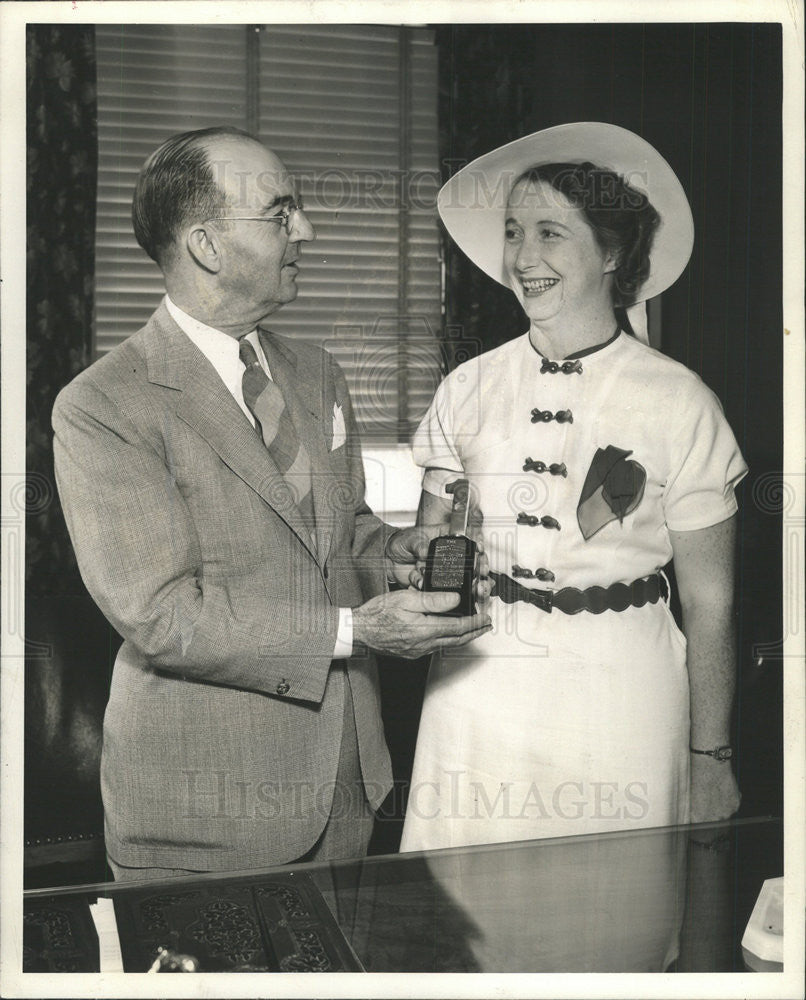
{"x":103,"y":915}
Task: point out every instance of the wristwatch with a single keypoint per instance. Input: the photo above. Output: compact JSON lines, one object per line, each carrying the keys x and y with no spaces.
{"x":722,"y":753}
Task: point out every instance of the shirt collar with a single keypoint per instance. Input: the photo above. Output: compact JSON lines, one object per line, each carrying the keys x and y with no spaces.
{"x":585,"y":352}
{"x":596,"y":347}
{"x":220,"y":349}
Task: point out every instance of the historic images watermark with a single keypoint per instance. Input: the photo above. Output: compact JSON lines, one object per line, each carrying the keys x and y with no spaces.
{"x":605,"y":190}
{"x":215,"y":794}
{"x":334,"y":189}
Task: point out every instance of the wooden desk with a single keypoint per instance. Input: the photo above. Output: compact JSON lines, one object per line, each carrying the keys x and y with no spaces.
{"x":673,"y":899}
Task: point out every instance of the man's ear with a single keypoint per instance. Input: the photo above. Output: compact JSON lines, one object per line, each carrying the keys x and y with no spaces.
{"x":204,"y":248}
{"x":611,"y":263}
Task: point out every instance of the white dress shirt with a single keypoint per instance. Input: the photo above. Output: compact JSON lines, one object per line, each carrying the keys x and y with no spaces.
{"x":222,"y":351}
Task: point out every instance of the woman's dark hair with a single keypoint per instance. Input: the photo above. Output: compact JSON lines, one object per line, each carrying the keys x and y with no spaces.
{"x":621,"y":217}
{"x":177,"y":185}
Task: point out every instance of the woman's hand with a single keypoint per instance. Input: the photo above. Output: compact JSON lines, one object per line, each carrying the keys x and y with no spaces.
{"x":435,"y":513}
{"x":703,"y":563}
{"x":484,"y":585}
{"x":714,"y":792}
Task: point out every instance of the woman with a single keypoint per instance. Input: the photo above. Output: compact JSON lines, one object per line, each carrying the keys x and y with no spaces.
{"x":594,"y":460}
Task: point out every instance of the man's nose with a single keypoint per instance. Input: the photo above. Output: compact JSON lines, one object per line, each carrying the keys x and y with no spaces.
{"x":301,"y":229}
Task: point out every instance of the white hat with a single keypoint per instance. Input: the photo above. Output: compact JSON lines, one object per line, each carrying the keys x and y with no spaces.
{"x":473,"y":202}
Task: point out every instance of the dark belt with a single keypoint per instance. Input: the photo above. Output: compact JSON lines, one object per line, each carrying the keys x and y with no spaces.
{"x":571,"y":600}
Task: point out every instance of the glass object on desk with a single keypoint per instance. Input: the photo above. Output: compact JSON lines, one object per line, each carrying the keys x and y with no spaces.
{"x":452,"y":562}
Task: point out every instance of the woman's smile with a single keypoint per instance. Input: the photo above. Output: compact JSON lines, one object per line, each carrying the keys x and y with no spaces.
{"x":533,"y":287}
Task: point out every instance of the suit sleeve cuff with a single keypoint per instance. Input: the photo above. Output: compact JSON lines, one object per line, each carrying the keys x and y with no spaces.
{"x":344,"y":636}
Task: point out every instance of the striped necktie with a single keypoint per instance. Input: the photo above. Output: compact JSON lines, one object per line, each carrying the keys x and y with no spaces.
{"x":274,"y":424}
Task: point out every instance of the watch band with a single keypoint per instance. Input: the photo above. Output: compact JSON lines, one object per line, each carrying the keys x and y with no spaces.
{"x":719,"y":845}
{"x":721,"y":753}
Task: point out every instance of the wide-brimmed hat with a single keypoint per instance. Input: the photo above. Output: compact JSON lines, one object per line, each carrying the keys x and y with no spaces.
{"x":472,"y":204}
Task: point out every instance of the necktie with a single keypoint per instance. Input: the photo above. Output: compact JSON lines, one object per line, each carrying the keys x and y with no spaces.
{"x":274,"y":424}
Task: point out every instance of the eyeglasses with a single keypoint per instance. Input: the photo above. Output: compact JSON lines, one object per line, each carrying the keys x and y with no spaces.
{"x":285,"y":217}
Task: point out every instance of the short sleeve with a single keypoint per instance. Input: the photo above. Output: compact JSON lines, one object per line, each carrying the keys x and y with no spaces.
{"x":434,"y":447}
{"x":706,"y":464}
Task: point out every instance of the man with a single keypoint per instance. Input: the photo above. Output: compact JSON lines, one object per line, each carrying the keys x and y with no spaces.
{"x":220,"y":525}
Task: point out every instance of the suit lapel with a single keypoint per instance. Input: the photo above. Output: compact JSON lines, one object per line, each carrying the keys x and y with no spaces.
{"x":303,"y":390}
{"x":207,"y":406}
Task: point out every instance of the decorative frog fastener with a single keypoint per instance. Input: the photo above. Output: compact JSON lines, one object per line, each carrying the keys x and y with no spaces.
{"x":567,"y":367}
{"x":538,"y":574}
{"x":546,"y":521}
{"x":546,"y":416}
{"x":556,"y":468}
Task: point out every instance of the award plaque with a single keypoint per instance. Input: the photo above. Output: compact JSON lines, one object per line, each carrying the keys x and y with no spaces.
{"x":452,"y":561}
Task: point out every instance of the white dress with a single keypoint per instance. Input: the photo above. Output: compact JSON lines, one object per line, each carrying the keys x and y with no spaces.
{"x":553,"y":724}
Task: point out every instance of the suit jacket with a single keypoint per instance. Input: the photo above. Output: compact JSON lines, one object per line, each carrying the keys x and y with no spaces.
{"x":222,"y":731}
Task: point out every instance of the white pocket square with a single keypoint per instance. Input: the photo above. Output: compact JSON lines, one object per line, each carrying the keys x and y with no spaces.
{"x":339,"y":430}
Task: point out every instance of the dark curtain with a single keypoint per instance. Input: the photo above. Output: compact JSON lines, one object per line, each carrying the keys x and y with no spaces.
{"x":487,"y":97}
{"x":708,"y":96}
{"x":62,"y":125}
{"x":69,"y":645}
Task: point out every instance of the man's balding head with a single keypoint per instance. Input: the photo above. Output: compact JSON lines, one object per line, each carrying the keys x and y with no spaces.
{"x":176,"y":186}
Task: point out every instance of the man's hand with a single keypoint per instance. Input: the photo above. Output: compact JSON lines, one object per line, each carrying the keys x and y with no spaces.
{"x":408,"y":624}
{"x":406,"y":550}
{"x":714,"y":792}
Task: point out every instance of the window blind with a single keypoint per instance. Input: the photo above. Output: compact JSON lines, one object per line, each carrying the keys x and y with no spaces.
{"x":351,"y":109}
{"x":153,"y":81}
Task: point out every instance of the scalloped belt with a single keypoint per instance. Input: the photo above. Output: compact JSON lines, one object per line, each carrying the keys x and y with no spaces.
{"x":571,"y":600}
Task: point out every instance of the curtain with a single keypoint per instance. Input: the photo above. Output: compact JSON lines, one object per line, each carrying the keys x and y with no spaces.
{"x":474,"y":118}
{"x":69,"y":646}
{"x":62,"y":159}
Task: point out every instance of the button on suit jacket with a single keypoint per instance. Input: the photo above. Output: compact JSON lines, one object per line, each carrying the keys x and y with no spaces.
{"x":222,"y":731}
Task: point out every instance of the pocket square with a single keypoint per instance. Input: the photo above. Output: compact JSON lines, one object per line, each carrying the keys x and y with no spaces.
{"x":339,"y":435}
{"x":613,"y":489}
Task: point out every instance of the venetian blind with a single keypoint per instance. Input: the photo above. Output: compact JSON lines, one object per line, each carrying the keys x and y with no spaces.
{"x":352,"y":112}
{"x":153,"y":81}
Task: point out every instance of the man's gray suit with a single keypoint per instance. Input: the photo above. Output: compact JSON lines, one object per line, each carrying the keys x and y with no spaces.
{"x":223,"y":728}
